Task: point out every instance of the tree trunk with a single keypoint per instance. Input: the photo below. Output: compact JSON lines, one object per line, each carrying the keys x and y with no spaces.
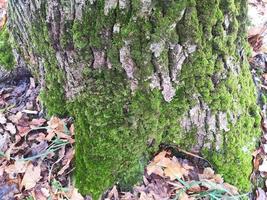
{"x":138,"y":73}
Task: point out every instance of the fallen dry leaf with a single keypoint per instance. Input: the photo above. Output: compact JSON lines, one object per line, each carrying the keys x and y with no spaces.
{"x":56,"y":124}
{"x":15,"y":118}
{"x":113,"y":194}
{"x":154,"y":169}
{"x":261,"y":195}
{"x":145,"y":196}
{"x":66,"y":161}
{"x":184,"y":196}
{"x":2,"y":119}
{"x":45,"y":192}
{"x":174,"y":170}
{"x":3,"y":21}
{"x":38,"y":195}
{"x":17,"y":167}
{"x":4,"y":142}
{"x":57,"y":127}
{"x":170,"y":166}
{"x":232,"y":189}
{"x":31,"y":176}
{"x":263,"y":166}
{"x":208,"y":173}
{"x":11,"y":128}
{"x":75,"y":195}
{"x":37,"y":122}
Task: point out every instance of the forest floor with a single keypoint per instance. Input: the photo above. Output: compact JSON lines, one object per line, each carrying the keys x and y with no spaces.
{"x":36,"y":153}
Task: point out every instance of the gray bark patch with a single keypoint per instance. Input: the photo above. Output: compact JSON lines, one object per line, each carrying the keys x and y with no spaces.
{"x":145,"y":7}
{"x":177,"y":58}
{"x":79,"y":5}
{"x":99,"y":59}
{"x":128,"y":65}
{"x":109,"y":5}
{"x":123,"y":4}
{"x":223,"y":122}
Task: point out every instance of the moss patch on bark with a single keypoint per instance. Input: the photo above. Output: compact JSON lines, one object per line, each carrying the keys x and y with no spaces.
{"x":7,"y":60}
{"x":118,"y":129}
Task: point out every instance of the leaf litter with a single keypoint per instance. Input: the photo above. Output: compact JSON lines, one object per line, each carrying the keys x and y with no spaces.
{"x":36,"y":154}
{"x":257,"y":37}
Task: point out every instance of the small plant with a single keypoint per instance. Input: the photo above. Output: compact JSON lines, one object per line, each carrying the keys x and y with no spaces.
{"x":56,"y":185}
{"x":214,"y":192}
{"x":29,"y":198}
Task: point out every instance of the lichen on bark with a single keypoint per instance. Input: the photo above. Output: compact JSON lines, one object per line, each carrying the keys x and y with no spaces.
{"x":137,"y":73}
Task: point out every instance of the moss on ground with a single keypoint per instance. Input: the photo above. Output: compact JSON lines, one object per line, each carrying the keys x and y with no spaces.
{"x":117,"y":130}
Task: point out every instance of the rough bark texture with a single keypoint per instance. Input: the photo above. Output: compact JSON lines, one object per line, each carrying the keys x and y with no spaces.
{"x":137,"y":73}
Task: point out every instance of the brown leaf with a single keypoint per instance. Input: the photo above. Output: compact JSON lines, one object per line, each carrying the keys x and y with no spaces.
{"x":2,"y":119}
{"x":38,"y":195}
{"x":17,"y":167}
{"x":184,"y":196}
{"x":15,"y":118}
{"x":57,"y":127}
{"x":208,"y":173}
{"x":37,"y":122}
{"x":45,"y":192}
{"x":175,"y":170}
{"x":232,"y":189}
{"x":3,"y":21}
{"x":261,"y":195}
{"x":160,"y":156}
{"x":75,"y":195}
{"x":144,"y":196}
{"x":171,"y":167}
{"x":11,"y":128}
{"x":72,"y":129}
{"x":31,"y":176}
{"x":23,"y":131}
{"x":56,"y":124}
{"x":38,"y":137}
{"x":194,"y":189}
{"x":154,"y":169}
{"x":4,"y":141}
{"x":67,"y":160}
{"x":264,"y":76}
{"x":113,"y":194}
{"x":50,"y":135}
{"x":263,"y":166}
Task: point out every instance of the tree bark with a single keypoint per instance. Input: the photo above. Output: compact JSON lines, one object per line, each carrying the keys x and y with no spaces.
{"x":138,"y":73}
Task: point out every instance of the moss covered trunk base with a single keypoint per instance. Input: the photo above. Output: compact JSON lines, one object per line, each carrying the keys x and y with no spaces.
{"x":138,"y":73}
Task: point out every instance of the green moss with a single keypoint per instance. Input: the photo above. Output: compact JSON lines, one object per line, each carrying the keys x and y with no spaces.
{"x":117,"y":134}
{"x":189,"y":28}
{"x":7,"y":60}
{"x":53,"y":93}
{"x":117,"y":130}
